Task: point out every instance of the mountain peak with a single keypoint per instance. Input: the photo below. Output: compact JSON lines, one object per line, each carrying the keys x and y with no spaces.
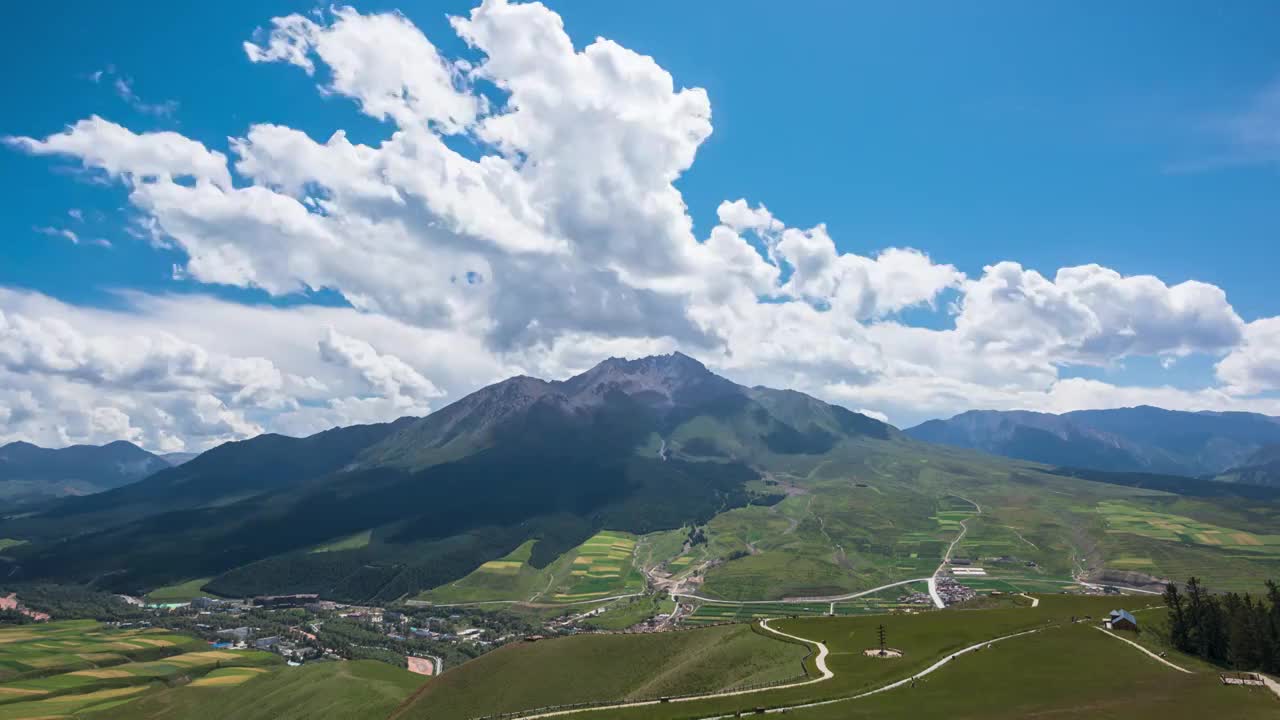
{"x":661,"y":381}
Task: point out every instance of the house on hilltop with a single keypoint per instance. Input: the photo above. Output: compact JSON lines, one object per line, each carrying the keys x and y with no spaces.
{"x":1122,"y":620}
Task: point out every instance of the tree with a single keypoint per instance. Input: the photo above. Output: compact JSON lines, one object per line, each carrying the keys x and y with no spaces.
{"x":1178,"y":629}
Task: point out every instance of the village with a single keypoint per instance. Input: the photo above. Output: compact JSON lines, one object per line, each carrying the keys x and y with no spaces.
{"x":303,"y":628}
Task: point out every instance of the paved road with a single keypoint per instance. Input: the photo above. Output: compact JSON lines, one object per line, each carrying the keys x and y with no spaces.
{"x":933,"y":579}
{"x":792,"y":601}
{"x":820,"y":661}
{"x":425,"y":603}
{"x":1035,"y":601}
{"x":892,"y":685}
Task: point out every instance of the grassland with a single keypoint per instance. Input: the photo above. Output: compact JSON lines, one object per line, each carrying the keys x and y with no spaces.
{"x":179,"y":593}
{"x":603,"y":667}
{"x":601,"y":567}
{"x":357,"y":690}
{"x":1066,"y":672}
{"x":354,"y":541}
{"x":1061,"y":669}
{"x":1229,"y":550}
{"x":623,"y":613}
{"x":63,"y":668}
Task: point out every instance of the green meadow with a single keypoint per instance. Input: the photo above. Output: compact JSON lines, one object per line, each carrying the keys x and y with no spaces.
{"x":603,"y":667}
{"x":64,"y":668}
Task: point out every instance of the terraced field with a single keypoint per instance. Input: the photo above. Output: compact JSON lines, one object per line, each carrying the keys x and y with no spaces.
{"x":355,"y":690}
{"x":1168,"y":544}
{"x":61,"y":668}
{"x":603,"y":566}
{"x":600,"y":567}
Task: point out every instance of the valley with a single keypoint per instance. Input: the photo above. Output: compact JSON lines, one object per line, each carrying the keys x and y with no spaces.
{"x":649,"y":528}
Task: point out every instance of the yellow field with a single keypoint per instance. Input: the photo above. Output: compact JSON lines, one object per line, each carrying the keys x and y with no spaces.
{"x":103,"y":673}
{"x":602,"y":566}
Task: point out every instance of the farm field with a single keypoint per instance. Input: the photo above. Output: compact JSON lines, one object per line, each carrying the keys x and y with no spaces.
{"x":603,"y":667}
{"x":623,"y":613}
{"x":1172,"y":545}
{"x":601,"y":567}
{"x":61,"y":668}
{"x":355,"y":690}
{"x":507,"y":578}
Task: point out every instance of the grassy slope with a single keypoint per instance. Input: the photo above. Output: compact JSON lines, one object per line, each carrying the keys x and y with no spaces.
{"x":924,"y":638}
{"x":181,"y":592}
{"x":1071,"y":672}
{"x":357,"y":690}
{"x":870,"y":513}
{"x":350,"y":542}
{"x":602,"y":667}
{"x":588,"y":571}
{"x":61,"y":668}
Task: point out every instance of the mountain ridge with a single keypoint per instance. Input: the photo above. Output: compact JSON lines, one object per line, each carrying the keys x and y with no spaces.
{"x":1143,"y":438}
{"x":31,"y":473}
{"x":636,"y":445}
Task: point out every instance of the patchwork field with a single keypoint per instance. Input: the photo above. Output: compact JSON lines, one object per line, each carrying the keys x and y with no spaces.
{"x":1167,"y":544}
{"x":61,"y":668}
{"x":600,"y":567}
{"x":1123,"y":517}
{"x":356,"y":690}
{"x":508,"y":578}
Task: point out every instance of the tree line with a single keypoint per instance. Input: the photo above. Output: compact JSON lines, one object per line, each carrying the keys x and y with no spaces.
{"x":1232,"y":630}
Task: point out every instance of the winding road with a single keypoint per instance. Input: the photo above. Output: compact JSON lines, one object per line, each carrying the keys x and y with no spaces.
{"x":933,"y":579}
{"x":792,"y":601}
{"x":820,"y":662}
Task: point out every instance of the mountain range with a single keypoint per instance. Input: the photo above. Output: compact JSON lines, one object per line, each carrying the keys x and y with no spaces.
{"x":632,"y":445}
{"x":1138,"y":439}
{"x":31,"y":473}
{"x":799,"y":496}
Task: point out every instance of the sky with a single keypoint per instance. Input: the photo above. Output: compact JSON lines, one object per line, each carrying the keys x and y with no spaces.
{"x":274,"y":217}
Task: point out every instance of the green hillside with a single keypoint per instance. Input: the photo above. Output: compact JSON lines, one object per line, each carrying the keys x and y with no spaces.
{"x":604,"y":667}
{"x":60,"y":669}
{"x":493,"y":497}
{"x":356,"y":690}
{"x":1044,"y":663}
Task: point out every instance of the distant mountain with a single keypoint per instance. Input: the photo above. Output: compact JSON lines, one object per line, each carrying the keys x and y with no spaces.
{"x":632,"y":445}
{"x":177,"y":458}
{"x":29,"y":472}
{"x":1261,"y":468}
{"x":1139,"y":439}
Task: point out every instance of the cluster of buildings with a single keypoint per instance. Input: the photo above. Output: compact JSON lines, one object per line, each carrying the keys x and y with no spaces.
{"x":952,"y":592}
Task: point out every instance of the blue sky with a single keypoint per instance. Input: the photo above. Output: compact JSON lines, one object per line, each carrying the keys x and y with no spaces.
{"x":1144,"y":138}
